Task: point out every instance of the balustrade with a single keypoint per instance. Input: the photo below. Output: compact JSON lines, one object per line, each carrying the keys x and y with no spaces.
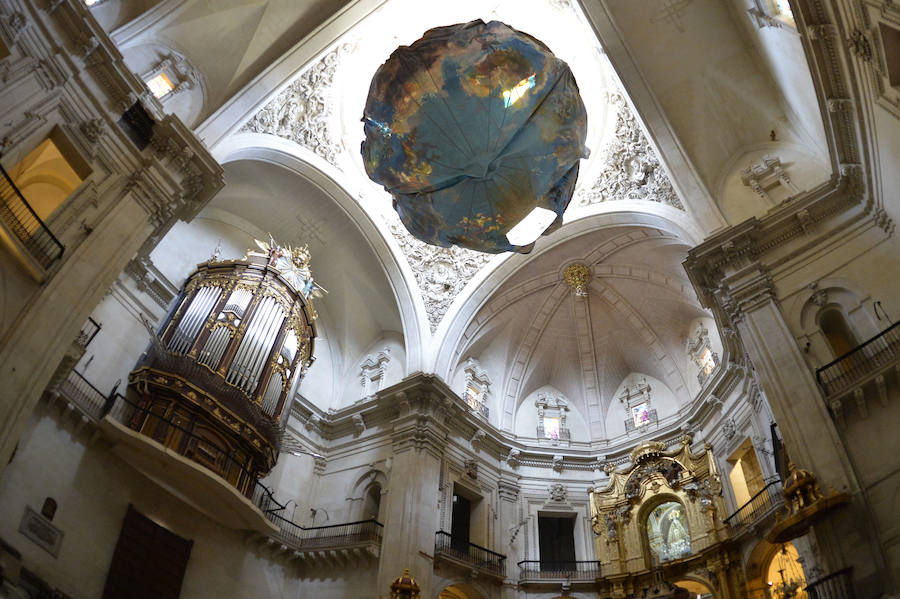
{"x":21,"y":221}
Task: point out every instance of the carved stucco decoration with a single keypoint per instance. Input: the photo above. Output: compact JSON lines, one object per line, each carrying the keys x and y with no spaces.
{"x":632,"y":170}
{"x":558,"y":492}
{"x":301,"y":112}
{"x":441,"y":273}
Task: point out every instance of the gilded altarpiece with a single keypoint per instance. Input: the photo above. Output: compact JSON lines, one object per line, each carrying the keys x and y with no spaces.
{"x":664,"y":511}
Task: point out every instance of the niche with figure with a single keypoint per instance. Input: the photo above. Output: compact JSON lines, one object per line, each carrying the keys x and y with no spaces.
{"x":667,"y":532}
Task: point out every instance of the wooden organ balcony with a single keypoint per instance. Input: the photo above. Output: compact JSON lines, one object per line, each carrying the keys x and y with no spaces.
{"x":214,"y":388}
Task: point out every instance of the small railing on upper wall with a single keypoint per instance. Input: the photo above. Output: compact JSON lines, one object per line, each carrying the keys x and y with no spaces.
{"x":469,"y":553}
{"x":841,"y":374}
{"x":834,"y":586}
{"x":88,"y":331}
{"x":761,"y":504}
{"x":535,"y":570}
{"x":22,"y":222}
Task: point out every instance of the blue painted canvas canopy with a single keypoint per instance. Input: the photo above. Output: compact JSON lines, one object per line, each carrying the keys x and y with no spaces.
{"x":470,"y":129}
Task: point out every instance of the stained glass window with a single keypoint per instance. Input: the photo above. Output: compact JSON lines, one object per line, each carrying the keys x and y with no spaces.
{"x":640,"y":414}
{"x":160,"y":85}
{"x":667,"y":532}
{"x":551,"y":427}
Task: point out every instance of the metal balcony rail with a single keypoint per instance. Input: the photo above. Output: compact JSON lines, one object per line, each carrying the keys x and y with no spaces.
{"x":759,"y":505}
{"x":834,"y":586}
{"x":89,"y":399}
{"x":844,"y":372}
{"x":181,"y":439}
{"x":327,"y":537}
{"x":469,"y":553}
{"x":554,"y":570}
{"x":88,"y":331}
{"x":22,"y":221}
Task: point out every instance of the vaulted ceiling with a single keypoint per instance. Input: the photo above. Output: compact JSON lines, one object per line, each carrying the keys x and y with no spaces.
{"x":681,"y":94}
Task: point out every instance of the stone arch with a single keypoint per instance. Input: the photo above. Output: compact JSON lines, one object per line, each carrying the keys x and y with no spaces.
{"x":460,"y":590}
{"x":360,"y":489}
{"x":287,"y":154}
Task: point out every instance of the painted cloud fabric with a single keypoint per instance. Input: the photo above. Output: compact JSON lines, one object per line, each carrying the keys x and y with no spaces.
{"x":470,"y":128}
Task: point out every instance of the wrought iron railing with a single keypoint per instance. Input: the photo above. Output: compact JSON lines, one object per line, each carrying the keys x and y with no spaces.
{"x":327,"y":537}
{"x":469,"y":553}
{"x":766,"y":500}
{"x":88,"y":398}
{"x":88,"y":331}
{"x":834,"y":586}
{"x":552,"y":570}
{"x":22,"y":221}
{"x":845,"y":371}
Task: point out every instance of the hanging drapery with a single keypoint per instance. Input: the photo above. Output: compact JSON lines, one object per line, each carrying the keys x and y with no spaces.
{"x":473,"y":128}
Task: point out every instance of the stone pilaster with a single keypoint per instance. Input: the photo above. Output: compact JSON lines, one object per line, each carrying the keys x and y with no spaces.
{"x":411,"y":514}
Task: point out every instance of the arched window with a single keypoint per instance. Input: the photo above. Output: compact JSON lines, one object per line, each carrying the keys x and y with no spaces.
{"x":372,"y":503}
{"x":837,"y":332}
{"x":668,"y":536}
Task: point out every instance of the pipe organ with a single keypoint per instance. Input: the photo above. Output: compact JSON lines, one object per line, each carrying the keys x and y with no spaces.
{"x":229,"y":358}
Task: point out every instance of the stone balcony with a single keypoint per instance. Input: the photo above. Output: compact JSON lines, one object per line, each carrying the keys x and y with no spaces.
{"x":574,"y":573}
{"x":326,"y":547}
{"x":757,"y":513}
{"x":861,"y":374}
{"x":469,"y":557}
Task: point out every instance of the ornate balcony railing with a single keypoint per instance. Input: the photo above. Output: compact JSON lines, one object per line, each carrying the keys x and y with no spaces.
{"x":834,"y":586}
{"x":540,"y":570}
{"x":841,"y":374}
{"x":22,"y":222}
{"x":335,"y":536}
{"x":470,"y":554}
{"x":760,"y":505}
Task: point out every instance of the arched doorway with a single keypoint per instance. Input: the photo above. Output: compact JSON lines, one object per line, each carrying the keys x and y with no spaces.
{"x":784,"y":574}
{"x":697,"y":589}
{"x":460,"y":591}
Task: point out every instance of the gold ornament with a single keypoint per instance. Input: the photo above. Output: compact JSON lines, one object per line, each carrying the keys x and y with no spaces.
{"x":578,"y":276}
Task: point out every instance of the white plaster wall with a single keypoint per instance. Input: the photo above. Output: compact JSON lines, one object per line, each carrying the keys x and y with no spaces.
{"x":782,"y":54}
{"x":527,"y":420}
{"x":352,"y":390}
{"x":93,"y":489}
{"x":739,"y":202}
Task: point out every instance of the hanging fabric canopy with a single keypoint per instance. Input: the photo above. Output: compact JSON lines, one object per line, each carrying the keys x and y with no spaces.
{"x":471,"y":129}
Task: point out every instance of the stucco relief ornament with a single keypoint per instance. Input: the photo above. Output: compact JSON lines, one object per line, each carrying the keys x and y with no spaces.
{"x":302,"y":111}
{"x":558,"y":492}
{"x":632,"y":171}
{"x":513,"y":458}
{"x":441,"y":273}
